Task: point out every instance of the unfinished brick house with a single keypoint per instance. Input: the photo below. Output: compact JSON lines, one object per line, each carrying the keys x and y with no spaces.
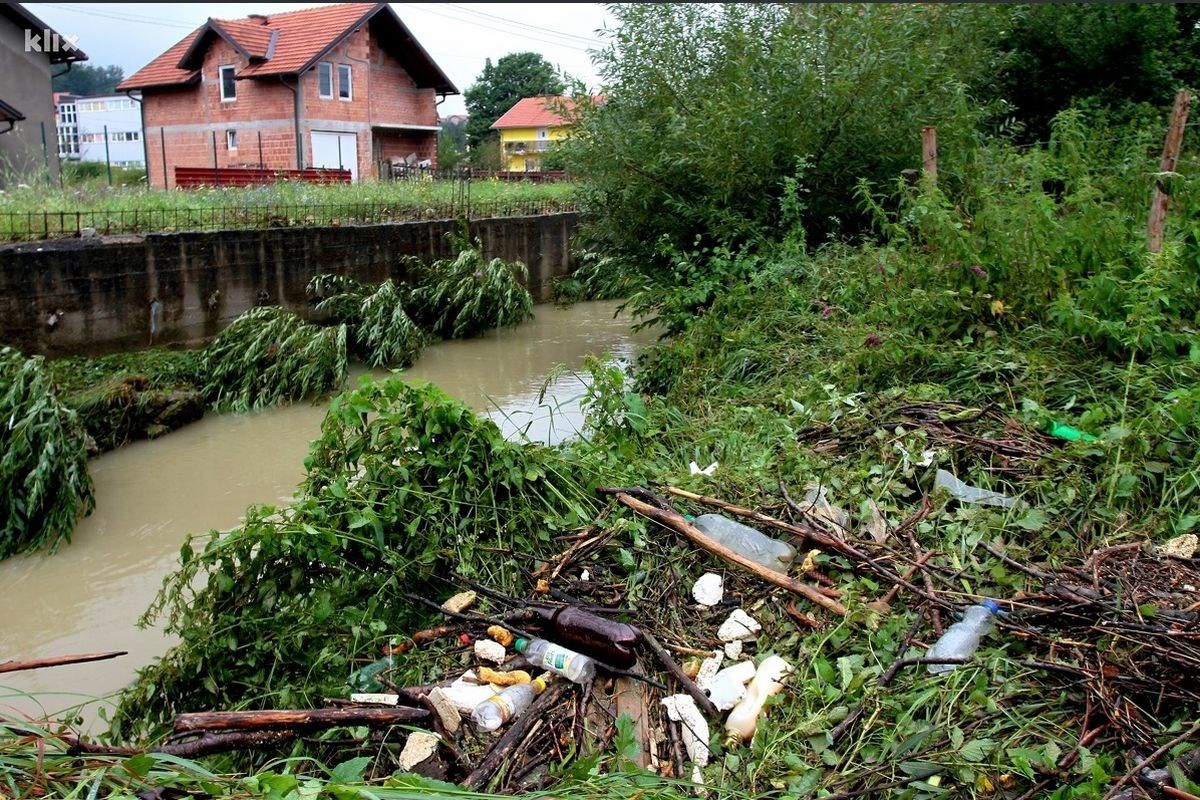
{"x":344,"y":86}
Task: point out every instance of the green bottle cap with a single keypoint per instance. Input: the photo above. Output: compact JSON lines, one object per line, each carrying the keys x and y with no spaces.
{"x":520,"y":644}
{"x":689,"y":517}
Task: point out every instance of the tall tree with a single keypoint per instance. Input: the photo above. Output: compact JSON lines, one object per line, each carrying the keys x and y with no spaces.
{"x":502,"y":84}
{"x":85,"y":80}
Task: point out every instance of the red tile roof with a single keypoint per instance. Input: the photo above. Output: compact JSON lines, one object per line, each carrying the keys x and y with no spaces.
{"x":536,"y":112}
{"x":290,"y":42}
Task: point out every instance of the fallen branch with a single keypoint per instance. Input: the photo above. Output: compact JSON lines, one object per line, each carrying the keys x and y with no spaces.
{"x":276,"y":719}
{"x":674,"y":521}
{"x":201,"y":746}
{"x":1150,"y":759}
{"x":58,"y":661}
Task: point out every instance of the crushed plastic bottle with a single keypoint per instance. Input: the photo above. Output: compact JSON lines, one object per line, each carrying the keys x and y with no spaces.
{"x":962,"y":638}
{"x":500,"y":708}
{"x":970,"y":494}
{"x":742,"y":539}
{"x":559,"y":660}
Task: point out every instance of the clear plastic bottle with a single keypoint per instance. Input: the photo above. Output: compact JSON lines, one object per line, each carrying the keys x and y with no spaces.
{"x":962,"y":638}
{"x":500,"y":708}
{"x":747,"y":541}
{"x":571,"y":665}
{"x":768,"y":680}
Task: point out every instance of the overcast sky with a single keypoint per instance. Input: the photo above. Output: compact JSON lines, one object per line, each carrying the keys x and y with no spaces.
{"x":459,"y":36}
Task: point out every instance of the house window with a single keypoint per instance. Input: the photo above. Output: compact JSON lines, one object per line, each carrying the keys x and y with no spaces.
{"x":325,"y":80}
{"x":228,"y":84}
{"x":231,"y":140}
{"x":343,"y":81}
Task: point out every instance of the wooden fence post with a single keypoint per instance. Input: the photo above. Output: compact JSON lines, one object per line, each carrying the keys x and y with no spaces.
{"x":929,"y":156}
{"x":1170,"y":158}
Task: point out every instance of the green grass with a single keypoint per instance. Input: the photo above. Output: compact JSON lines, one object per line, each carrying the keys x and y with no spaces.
{"x":130,"y":209}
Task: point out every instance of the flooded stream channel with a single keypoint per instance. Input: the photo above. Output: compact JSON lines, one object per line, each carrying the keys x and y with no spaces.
{"x":150,"y":495}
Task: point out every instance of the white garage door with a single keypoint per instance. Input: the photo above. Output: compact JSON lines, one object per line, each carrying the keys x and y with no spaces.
{"x":335,"y":151}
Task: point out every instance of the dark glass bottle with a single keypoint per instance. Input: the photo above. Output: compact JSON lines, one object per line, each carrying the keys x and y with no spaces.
{"x":606,"y":640}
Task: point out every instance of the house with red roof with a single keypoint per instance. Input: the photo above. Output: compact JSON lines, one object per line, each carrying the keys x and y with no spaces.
{"x":529,"y":129}
{"x":343,"y":86}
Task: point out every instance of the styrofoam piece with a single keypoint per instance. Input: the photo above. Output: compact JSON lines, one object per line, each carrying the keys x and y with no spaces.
{"x":708,"y":589}
{"x":740,"y":625}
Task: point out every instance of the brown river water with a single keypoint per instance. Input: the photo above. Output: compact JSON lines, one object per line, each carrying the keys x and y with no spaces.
{"x":151,"y":494}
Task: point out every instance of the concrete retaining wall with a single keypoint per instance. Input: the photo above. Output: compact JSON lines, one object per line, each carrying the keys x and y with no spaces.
{"x":203,"y":281}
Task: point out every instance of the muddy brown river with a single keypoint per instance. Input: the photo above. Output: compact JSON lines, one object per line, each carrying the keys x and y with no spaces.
{"x":150,"y":495}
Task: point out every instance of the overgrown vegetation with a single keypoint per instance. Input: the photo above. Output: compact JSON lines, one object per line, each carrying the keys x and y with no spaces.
{"x":44,"y":482}
{"x":269,"y":355}
{"x":383,"y":333}
{"x":467,"y":295}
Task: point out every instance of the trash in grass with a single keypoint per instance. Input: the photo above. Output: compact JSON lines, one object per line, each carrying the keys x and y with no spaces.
{"x":375,"y":699}
{"x":816,"y":504}
{"x":418,"y":747}
{"x":768,"y":680}
{"x":489,"y":650}
{"x":1061,"y":430}
{"x":459,"y":602}
{"x":729,"y":685}
{"x":1180,"y":547}
{"x":708,"y":669}
{"x":961,"y":639}
{"x":681,"y":708}
{"x":694,"y":469}
{"x":708,"y":589}
{"x":746,"y":541}
{"x":970,"y":494}
{"x":739,"y":625}
{"x":501,"y":708}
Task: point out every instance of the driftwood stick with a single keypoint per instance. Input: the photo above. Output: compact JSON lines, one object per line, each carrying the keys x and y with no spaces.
{"x":58,"y":661}
{"x":193,"y":748}
{"x":276,"y":719}
{"x":677,"y":523}
{"x":513,"y":736}
{"x":689,"y":685}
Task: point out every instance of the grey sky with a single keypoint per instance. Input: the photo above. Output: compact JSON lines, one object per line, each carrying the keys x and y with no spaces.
{"x":459,"y":36}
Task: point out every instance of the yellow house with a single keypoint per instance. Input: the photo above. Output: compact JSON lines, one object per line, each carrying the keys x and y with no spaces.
{"x":528,"y":128}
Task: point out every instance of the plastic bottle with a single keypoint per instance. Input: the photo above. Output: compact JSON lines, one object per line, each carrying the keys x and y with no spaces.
{"x":559,"y":660}
{"x":768,"y":680}
{"x":962,"y":638}
{"x":747,"y":541}
{"x":500,"y":708}
{"x":602,"y":638}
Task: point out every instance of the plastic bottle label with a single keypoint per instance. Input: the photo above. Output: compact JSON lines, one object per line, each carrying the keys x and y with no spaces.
{"x":557,"y":659}
{"x":505,"y":704}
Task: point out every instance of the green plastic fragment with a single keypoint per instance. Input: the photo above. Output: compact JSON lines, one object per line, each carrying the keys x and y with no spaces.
{"x":1063,"y":431}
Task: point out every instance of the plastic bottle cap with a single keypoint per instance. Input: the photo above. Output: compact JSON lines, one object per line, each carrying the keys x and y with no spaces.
{"x":689,"y":517}
{"x":992,"y":606}
{"x":520,"y":644}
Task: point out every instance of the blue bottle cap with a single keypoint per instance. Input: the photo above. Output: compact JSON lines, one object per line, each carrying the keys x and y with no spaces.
{"x":992,"y":606}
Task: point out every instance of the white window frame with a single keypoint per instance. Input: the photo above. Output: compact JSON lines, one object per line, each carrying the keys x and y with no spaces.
{"x":221,"y":82}
{"x":327,"y":65}
{"x":349,"y":83}
{"x":230,"y":139}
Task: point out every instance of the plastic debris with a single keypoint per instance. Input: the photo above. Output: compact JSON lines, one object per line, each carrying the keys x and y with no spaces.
{"x":733,"y":650}
{"x":1068,"y":432}
{"x":489,"y":675}
{"x":729,"y":685}
{"x":708,"y":669}
{"x":707,"y":472}
{"x":488,"y":650}
{"x":816,"y":504}
{"x":1181,"y":546}
{"x":740,"y":625}
{"x":459,"y":602}
{"x":810,"y":562}
{"x":417,"y":748}
{"x":447,"y":713}
{"x":768,"y":680}
{"x":682,"y":708}
{"x":709,"y":589}
{"x":970,"y":494}
{"x":375,"y":698}
{"x":466,"y":692}
{"x":501,"y":634}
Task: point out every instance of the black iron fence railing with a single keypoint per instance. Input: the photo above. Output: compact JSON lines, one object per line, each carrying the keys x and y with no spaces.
{"x":16,"y":226}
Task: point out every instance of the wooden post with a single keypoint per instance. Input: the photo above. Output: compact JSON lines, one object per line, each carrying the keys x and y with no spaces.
{"x":929,"y":152}
{"x":1170,"y":157}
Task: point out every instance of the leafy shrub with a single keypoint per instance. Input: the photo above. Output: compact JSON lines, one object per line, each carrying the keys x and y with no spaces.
{"x":44,"y":482}
{"x":269,"y":355}
{"x":380,"y":328}
{"x":467,"y":295}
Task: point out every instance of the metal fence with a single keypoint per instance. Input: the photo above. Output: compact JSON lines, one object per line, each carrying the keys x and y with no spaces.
{"x":16,"y":226}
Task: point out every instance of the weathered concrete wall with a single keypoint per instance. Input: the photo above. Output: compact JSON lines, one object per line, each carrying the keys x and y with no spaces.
{"x":205,"y":280}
